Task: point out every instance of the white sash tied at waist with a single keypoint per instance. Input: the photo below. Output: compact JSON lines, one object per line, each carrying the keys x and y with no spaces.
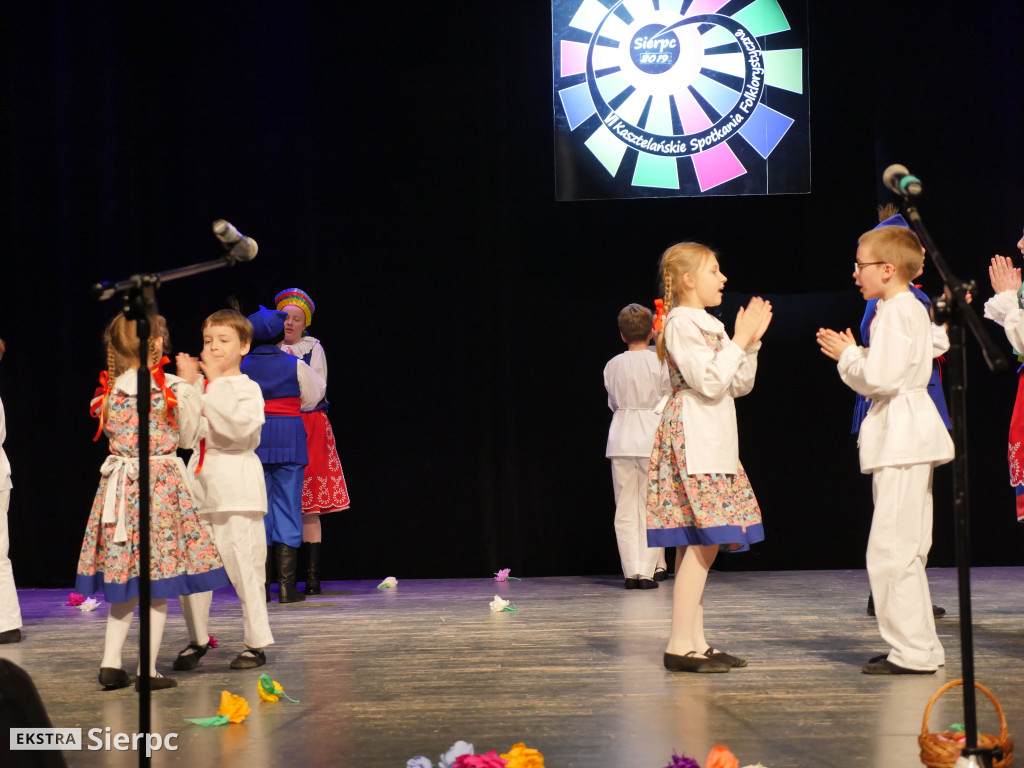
{"x":125,"y":468}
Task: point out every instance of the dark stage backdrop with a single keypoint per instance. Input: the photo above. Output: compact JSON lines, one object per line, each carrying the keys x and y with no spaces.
{"x":396,"y":161}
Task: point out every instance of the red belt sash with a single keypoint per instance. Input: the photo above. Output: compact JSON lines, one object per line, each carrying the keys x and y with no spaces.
{"x":282,"y":406}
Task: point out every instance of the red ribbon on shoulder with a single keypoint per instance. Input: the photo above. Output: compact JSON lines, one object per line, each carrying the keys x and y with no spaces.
{"x":157,"y":372}
{"x":659,"y":315}
{"x":98,"y":399}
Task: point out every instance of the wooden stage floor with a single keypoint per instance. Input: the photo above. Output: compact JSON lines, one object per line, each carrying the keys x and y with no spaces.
{"x":384,"y":675}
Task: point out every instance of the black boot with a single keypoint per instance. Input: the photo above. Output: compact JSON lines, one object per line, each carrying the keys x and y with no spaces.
{"x":287,"y":561}
{"x":313,"y":575}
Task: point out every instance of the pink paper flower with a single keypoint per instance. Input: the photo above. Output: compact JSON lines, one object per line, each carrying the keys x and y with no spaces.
{"x":75,"y":600}
{"x":487,"y":760}
{"x":502,"y":575}
{"x":212,"y":641}
{"x":682,"y":761}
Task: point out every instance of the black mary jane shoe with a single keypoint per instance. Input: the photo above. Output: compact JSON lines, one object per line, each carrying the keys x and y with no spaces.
{"x":648,"y":584}
{"x":250,"y":658}
{"x":725,"y":658}
{"x":158,"y":683}
{"x":885,"y":667}
{"x":632,"y":584}
{"x":111,"y":679}
{"x":189,"y":657}
{"x":660,"y":574}
{"x":693,"y":662}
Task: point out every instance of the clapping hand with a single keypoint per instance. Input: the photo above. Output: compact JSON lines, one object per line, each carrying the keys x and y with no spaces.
{"x":752,"y":321}
{"x":1004,"y":276}
{"x":833,"y":343}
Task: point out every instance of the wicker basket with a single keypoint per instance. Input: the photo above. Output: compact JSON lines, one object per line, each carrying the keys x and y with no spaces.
{"x":941,"y":750}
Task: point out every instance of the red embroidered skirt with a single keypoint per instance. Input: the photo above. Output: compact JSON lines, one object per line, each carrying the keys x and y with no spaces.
{"x":323,"y":487}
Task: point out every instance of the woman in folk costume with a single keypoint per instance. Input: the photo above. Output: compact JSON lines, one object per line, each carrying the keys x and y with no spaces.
{"x":323,"y":487}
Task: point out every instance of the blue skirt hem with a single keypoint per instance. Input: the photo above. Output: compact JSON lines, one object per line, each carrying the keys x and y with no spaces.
{"x":174,"y":586}
{"x":724,"y":534}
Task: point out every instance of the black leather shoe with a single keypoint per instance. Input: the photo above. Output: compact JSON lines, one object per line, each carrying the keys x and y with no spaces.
{"x":287,"y":561}
{"x":692,"y":662}
{"x":158,"y":683}
{"x":871,"y":604}
{"x":10,"y":636}
{"x":725,"y":658}
{"x":632,"y":583}
{"x":648,"y":584}
{"x":938,"y":611}
{"x":313,"y":575}
{"x":190,"y":656}
{"x":660,"y":574}
{"x":886,"y":667}
{"x":250,"y":658}
{"x":111,"y":679}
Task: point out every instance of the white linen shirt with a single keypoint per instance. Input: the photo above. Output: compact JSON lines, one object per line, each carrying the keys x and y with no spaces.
{"x":1005,"y":309}
{"x":5,"y":466}
{"x":231,"y":479}
{"x":903,"y":426}
{"x":712,"y":379}
{"x":636,"y":382}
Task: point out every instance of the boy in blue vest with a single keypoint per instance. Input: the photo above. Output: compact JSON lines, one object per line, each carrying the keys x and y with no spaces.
{"x":289,"y":387}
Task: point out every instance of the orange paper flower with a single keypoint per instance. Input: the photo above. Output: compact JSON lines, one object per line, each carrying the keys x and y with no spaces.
{"x":234,"y":707}
{"x":721,"y":757}
{"x":521,"y":756}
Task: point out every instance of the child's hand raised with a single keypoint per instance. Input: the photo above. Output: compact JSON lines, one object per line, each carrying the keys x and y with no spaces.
{"x":1003,"y":275}
{"x":752,"y":321}
{"x":213,"y":366}
{"x":833,"y":343}
{"x":187,"y":367}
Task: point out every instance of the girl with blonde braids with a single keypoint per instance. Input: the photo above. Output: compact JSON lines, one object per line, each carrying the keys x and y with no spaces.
{"x":698,"y":496}
{"x":183,"y":557}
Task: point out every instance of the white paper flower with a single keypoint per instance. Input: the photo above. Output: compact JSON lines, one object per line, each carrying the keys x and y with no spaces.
{"x":498,"y":605}
{"x":388,"y":583}
{"x":90,"y":604}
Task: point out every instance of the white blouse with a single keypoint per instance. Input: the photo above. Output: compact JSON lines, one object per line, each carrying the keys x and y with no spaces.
{"x":712,"y":380}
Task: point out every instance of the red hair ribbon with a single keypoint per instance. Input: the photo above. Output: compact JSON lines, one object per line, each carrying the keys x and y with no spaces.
{"x":98,"y":399}
{"x":659,"y":315}
{"x":202,"y":443}
{"x":157,"y":372}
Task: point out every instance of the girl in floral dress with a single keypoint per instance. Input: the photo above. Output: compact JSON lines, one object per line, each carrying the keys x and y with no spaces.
{"x":183,"y":557}
{"x":698,"y":496}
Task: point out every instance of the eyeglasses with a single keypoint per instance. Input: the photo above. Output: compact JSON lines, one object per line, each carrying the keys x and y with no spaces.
{"x":857,"y":265}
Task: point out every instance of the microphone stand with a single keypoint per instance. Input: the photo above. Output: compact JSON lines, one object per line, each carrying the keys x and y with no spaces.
{"x":139,"y":295}
{"x":953,"y":309}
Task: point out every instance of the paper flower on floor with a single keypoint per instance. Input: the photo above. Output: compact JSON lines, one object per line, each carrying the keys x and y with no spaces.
{"x":419,"y":762}
{"x":521,"y":756}
{"x":90,"y":604}
{"x":271,"y":690}
{"x":233,"y":709}
{"x":498,"y":605}
{"x":212,"y":641}
{"x":455,"y":751}
{"x":75,"y":599}
{"x":502,"y":575}
{"x":487,"y":760}
{"x":682,"y":761}
{"x":721,"y":757}
{"x":388,"y":583}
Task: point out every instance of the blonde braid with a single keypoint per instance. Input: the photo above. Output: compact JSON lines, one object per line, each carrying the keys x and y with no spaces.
{"x":666,"y":278}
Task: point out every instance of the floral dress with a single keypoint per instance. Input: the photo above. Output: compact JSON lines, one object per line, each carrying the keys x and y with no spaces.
{"x":183,"y":557}
{"x":696,"y":509}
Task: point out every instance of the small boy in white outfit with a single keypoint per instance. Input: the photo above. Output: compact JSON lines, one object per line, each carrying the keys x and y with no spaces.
{"x":228,"y":486}
{"x":636,"y":382}
{"x":901,"y":440}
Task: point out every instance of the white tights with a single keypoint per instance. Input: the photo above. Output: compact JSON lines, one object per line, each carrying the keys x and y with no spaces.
{"x":692,"y":565}
{"x":119,"y":621}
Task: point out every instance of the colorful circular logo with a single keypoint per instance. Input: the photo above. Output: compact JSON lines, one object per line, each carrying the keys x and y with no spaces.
{"x":672,"y":85}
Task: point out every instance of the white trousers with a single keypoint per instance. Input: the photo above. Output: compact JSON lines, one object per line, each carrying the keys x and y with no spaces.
{"x":10,"y":611}
{"x":242,"y":542}
{"x":901,"y":536}
{"x":629,"y":480}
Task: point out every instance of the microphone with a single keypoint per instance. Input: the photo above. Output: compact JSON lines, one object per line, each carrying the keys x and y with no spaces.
{"x":901,"y":181}
{"x":238,"y":246}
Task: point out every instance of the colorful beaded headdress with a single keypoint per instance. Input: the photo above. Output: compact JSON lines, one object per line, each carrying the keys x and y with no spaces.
{"x":297,"y":298}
